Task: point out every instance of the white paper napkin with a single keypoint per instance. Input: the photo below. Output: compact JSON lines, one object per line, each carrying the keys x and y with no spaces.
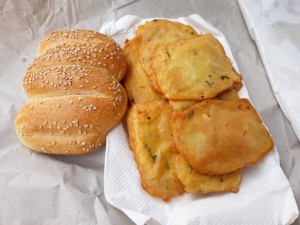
{"x":275,"y":27}
{"x":265,"y":196}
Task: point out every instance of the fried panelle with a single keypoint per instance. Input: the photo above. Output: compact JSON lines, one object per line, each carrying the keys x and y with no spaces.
{"x":135,"y":80}
{"x":218,"y":137}
{"x":156,"y":33}
{"x":195,"y":182}
{"x":193,"y":69}
{"x":152,"y":144}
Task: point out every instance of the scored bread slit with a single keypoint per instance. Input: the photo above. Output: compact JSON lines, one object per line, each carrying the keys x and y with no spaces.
{"x":60,"y":94}
{"x":58,"y":134}
{"x":66,"y":64}
{"x":68,"y":42}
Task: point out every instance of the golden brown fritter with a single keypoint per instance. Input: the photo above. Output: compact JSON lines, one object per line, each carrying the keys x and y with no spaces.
{"x":218,"y":137}
{"x":193,"y":69}
{"x":135,"y":80}
{"x":156,"y":33}
{"x":195,"y":182}
{"x":152,"y":144}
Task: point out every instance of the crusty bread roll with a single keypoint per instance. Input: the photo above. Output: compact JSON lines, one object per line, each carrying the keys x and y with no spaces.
{"x":75,"y":94}
{"x":84,"y":48}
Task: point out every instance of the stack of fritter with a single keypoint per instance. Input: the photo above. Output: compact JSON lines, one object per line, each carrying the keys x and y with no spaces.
{"x":188,"y":129}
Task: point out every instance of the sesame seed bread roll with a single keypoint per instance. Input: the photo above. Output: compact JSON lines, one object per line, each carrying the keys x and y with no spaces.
{"x":68,"y":124}
{"x":69,"y":79}
{"x":75,"y":96}
{"x":84,"y":48}
{"x":70,"y":36}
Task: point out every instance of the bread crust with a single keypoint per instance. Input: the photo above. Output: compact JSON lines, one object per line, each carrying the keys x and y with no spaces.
{"x":70,"y":124}
{"x":75,"y":36}
{"x":75,"y":96}
{"x":90,"y":50}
